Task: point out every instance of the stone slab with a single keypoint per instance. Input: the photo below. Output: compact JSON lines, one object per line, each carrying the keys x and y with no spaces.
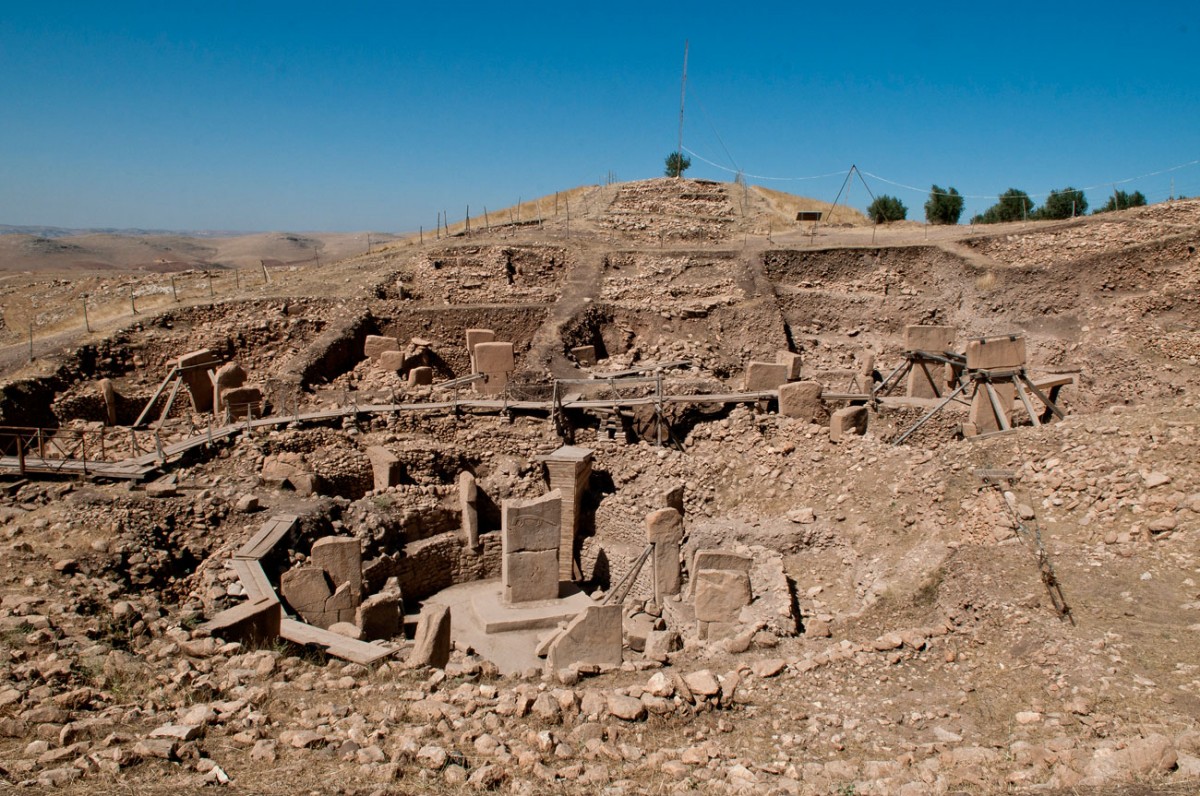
{"x":983,"y":415}
{"x":721,"y":594}
{"x":391,"y":361}
{"x":996,"y":353}
{"x":531,"y":524}
{"x":431,"y":645}
{"x":386,"y":467}
{"x":495,"y":358}
{"x":802,"y":400}
{"x":530,"y":576}
{"x":852,"y":420}
{"x":933,"y":339}
{"x":248,"y":623}
{"x":765,"y":376}
{"x":585,"y":355}
{"x":721,"y":559}
{"x":379,"y":616}
{"x":375,"y":344}
{"x":468,"y":502}
{"x":341,"y":557}
{"x":477,"y":336}
{"x":592,"y":637}
{"x":792,"y":361}
{"x":420,"y":376}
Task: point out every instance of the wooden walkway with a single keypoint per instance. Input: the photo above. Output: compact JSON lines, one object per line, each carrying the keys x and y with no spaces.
{"x":138,"y":467}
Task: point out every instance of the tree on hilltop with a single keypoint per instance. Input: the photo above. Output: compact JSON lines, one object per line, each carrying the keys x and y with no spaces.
{"x":1014,"y":205}
{"x":1123,"y":201}
{"x":943,"y":207}
{"x":887,"y":208}
{"x":1067,"y":203}
{"x":677,"y":164}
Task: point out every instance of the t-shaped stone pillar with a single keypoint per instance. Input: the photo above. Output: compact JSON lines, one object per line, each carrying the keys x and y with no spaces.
{"x":569,"y":469}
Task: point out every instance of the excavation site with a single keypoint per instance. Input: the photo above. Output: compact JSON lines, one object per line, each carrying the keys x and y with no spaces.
{"x":640,"y":488}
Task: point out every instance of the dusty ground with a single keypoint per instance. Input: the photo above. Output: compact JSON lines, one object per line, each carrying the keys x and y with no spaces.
{"x":929,"y":658}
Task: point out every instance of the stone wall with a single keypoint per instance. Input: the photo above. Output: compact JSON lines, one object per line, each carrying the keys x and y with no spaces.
{"x":430,"y":565}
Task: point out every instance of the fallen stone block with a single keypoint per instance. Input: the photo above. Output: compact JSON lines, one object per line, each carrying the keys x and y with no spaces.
{"x":374,"y":345}
{"x":431,"y":646}
{"x":851,"y":420}
{"x":791,"y":360}
{"x":592,"y":637}
{"x":802,"y":400}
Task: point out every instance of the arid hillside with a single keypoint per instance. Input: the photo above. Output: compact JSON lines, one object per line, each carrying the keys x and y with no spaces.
{"x":863,"y":605}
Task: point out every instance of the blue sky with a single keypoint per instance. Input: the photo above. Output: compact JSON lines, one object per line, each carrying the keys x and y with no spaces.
{"x":298,"y":116}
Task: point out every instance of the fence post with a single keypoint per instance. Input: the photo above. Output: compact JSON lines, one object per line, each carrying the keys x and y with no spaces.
{"x":158,"y":447}
{"x":20,"y":453}
{"x":174,"y":292}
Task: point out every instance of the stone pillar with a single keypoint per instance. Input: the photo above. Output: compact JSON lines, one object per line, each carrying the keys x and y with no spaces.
{"x":374,"y":345}
{"x":766,"y":376}
{"x":851,"y":420}
{"x":664,"y":530}
{"x":468,"y":497}
{"x":110,"y":400}
{"x":474,"y":337}
{"x":385,"y":466}
{"x":993,"y":355}
{"x":195,"y":368}
{"x":229,"y":376}
{"x":569,"y":469}
{"x":529,"y":548}
{"x":926,"y":372}
{"x":802,"y":400}
{"x":341,"y":558}
{"x":496,"y":361}
{"x":792,"y":361}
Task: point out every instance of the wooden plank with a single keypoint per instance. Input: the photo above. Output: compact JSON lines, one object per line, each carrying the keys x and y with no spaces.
{"x":253,"y":579}
{"x":267,"y":537}
{"x":338,"y":646}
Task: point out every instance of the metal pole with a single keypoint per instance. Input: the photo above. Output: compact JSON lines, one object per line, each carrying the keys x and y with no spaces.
{"x":31,"y":342}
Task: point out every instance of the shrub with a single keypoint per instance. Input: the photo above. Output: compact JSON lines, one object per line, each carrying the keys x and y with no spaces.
{"x":887,"y":208}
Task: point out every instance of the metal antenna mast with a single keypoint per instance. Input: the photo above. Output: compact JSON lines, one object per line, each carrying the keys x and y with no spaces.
{"x":682,"y":96}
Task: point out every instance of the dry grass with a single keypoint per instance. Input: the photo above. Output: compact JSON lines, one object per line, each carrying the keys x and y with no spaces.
{"x":786,"y":205}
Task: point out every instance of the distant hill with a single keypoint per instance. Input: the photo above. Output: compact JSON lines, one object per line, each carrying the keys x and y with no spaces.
{"x":66,"y":232}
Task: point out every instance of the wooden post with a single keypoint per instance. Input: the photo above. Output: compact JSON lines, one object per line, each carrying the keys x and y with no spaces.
{"x":421,"y":232}
{"x":237,"y":279}
{"x":30,"y":342}
{"x":210,"y":283}
{"x":20,"y":453}
{"x":86,"y":324}
{"x":132,"y":304}
{"x":266,"y":276}
{"x":487,"y":224}
{"x":467,"y":229}
{"x":174,"y":292}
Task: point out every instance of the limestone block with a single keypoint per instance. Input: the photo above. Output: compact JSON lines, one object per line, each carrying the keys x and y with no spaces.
{"x":340,"y":607}
{"x":528,"y":577}
{"x":664,"y":529}
{"x":306,"y":590}
{"x":720,"y":559}
{"x":592,"y":637}
{"x":391,"y":361}
{"x":229,"y":376}
{"x":347,"y":629}
{"x":531,"y":524}
{"x":379,"y":616}
{"x":195,"y":377}
{"x":420,"y":376}
{"x":431,"y":645}
{"x":305,"y":484}
{"x":851,"y":420}
{"x":494,"y":358}
{"x":386,"y":467}
{"x":996,"y":353}
{"x":468,"y":501}
{"x":341,"y":558}
{"x":242,"y":400}
{"x":721,"y":594}
{"x":931,"y":339}
{"x":475,"y":337}
{"x":664,"y":525}
{"x":792,"y":361}
{"x":983,"y":414}
{"x":374,"y":345}
{"x":661,"y":643}
{"x":109,"y":395}
{"x":765,"y":376}
{"x":673,"y":498}
{"x":802,"y":400}
{"x":585,"y":355}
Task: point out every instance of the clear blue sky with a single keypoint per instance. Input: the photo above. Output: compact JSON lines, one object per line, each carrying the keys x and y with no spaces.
{"x":351,"y":116}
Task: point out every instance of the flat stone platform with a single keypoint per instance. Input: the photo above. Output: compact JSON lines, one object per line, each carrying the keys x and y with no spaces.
{"x":496,"y":616}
